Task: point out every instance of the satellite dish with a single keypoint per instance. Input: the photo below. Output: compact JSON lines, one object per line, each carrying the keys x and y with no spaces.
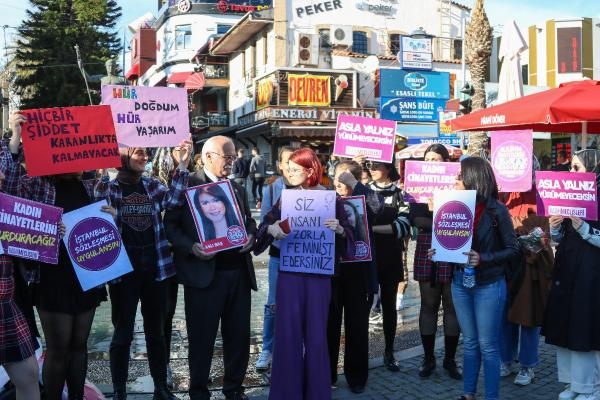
{"x":370,"y":64}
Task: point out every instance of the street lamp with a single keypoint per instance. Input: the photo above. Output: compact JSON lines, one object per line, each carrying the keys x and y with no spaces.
{"x":420,"y":33}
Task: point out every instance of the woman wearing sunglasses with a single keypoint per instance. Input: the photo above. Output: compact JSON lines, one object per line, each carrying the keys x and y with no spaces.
{"x":571,"y":321}
{"x":389,"y":229}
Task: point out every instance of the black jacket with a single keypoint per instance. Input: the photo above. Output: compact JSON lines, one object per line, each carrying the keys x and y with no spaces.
{"x":496,"y":242}
{"x":182,"y":233}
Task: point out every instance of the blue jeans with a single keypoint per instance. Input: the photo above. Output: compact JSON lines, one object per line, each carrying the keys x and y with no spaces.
{"x":479,"y":312}
{"x":518,"y":338}
{"x":269,"y":318}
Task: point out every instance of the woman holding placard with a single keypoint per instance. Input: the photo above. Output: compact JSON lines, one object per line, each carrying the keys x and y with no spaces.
{"x":390,"y":229}
{"x":571,"y":321}
{"x":300,"y":368}
{"x":435,"y":285}
{"x":479,"y":306}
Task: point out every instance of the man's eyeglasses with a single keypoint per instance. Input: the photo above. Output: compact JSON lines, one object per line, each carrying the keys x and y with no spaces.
{"x":372,"y":164}
{"x":229,"y":158}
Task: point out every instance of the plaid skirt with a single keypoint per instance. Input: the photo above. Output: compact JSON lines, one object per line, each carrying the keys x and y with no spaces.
{"x":16,"y":341}
{"x":424,"y":270}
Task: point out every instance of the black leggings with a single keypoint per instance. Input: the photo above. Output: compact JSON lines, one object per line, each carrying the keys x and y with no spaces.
{"x":66,"y":352}
{"x":431,"y":297}
{"x":389,"y":312}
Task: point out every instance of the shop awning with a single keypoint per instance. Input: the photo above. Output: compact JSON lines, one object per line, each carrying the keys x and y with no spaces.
{"x":179,"y":77}
{"x":195,"y":81}
{"x":134,"y":72}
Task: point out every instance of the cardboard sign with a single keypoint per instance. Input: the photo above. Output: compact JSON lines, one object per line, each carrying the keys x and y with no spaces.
{"x":69,"y":139}
{"x":452,"y":231}
{"x":29,"y":229}
{"x":217,"y":216}
{"x":567,"y":194}
{"x":310,"y":246}
{"x":95,"y":246}
{"x":512,"y":153}
{"x":422,"y":178}
{"x":356,"y":210}
{"x":373,"y":138}
{"x":148,"y":116}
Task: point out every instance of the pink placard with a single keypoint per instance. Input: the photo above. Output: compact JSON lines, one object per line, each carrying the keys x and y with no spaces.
{"x":567,"y":194}
{"x":422,"y":178}
{"x":512,"y":160}
{"x":371,"y":137}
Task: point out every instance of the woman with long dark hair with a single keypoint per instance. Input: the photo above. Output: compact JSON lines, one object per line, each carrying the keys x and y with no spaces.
{"x":479,"y":307}
{"x":435,"y":279}
{"x":216,"y":210}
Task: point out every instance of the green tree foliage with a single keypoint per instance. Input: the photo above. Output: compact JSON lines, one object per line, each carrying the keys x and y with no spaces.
{"x":47,"y":72}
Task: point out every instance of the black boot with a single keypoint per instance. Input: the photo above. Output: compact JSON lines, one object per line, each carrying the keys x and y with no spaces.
{"x":390,"y":362}
{"x":162,"y":392}
{"x":451,"y":343}
{"x":428,"y":365}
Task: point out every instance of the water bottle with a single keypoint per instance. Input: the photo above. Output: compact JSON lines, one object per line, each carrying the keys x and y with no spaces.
{"x":469,"y":276}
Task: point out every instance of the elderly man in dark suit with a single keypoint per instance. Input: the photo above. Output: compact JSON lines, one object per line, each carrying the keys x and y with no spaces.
{"x":216,"y":286}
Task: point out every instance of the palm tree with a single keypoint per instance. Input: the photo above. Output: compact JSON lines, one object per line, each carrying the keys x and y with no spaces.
{"x":478,"y":37}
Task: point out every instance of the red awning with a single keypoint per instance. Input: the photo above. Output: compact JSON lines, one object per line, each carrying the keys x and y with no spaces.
{"x":195,"y":81}
{"x":134,"y":72}
{"x":179,"y":77}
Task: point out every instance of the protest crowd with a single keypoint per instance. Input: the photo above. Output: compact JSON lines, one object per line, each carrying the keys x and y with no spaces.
{"x":336,"y":232}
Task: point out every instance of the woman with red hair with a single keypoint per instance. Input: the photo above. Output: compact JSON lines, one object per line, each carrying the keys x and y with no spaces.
{"x":300,"y":368}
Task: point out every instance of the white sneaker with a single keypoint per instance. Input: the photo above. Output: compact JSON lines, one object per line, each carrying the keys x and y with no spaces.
{"x":264,"y":360}
{"x":399,"y":302}
{"x":506,"y":369}
{"x":589,"y":396}
{"x":524,"y":376}
{"x":567,"y":394}
{"x":375,"y":318}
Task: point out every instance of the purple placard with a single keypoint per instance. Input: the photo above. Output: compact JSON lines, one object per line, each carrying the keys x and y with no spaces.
{"x":452,"y":231}
{"x":567,"y":194}
{"x":371,"y":137}
{"x":29,"y":229}
{"x":357,"y":216}
{"x":422,"y":178}
{"x":512,"y":160}
{"x":217,"y":216}
{"x":148,"y":116}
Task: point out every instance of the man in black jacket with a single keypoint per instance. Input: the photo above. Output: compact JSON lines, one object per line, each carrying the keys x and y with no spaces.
{"x":216,"y":286}
{"x":241,"y":168}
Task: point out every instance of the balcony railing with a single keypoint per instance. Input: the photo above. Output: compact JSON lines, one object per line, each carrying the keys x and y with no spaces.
{"x":216,"y":71}
{"x":210,"y":119}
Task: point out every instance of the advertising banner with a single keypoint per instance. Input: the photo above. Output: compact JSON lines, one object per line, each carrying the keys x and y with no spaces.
{"x":69,"y":139}
{"x":452,"y":231}
{"x":95,"y":246}
{"x":217,"y":216}
{"x":567,"y":194}
{"x":371,"y":137}
{"x":421,"y":84}
{"x":356,"y":210}
{"x":415,"y":53}
{"x":310,"y":246}
{"x":422,"y":178}
{"x":148,"y":116}
{"x":512,"y":154}
{"x":29,"y":229}
{"x":309,"y":90}
{"x":410,"y":109}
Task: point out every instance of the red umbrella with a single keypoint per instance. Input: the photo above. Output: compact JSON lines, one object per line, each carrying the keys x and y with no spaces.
{"x":573,"y":107}
{"x":418,"y":151}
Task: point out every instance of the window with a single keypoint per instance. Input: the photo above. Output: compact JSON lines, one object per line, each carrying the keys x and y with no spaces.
{"x":222,"y":29}
{"x":183,"y":37}
{"x":325,"y":38}
{"x":394,"y":43}
{"x":359,"y":42}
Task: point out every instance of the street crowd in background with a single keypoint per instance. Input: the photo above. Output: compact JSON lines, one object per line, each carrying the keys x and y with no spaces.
{"x":516,"y":295}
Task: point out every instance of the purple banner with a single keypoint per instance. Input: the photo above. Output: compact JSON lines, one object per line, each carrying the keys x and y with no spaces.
{"x":29,"y":229}
{"x":567,"y":194}
{"x":371,"y":137}
{"x":512,"y":160}
{"x":357,"y":216}
{"x":422,"y":178}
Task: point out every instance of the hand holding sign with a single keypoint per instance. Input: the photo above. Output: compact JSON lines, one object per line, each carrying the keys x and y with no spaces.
{"x":277,"y":231}
{"x":183,"y":153}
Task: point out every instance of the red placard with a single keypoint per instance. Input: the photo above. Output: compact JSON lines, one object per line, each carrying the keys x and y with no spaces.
{"x":69,"y":139}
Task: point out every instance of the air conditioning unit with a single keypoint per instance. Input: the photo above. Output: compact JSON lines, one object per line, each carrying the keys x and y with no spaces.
{"x":307,"y":49}
{"x":341,"y":34}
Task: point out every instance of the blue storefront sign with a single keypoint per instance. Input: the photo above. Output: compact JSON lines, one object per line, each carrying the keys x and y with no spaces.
{"x":450,"y":140}
{"x":410,"y":109}
{"x":420,"y":84}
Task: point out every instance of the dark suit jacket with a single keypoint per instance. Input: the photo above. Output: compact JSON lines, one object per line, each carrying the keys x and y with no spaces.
{"x":182,"y":233}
